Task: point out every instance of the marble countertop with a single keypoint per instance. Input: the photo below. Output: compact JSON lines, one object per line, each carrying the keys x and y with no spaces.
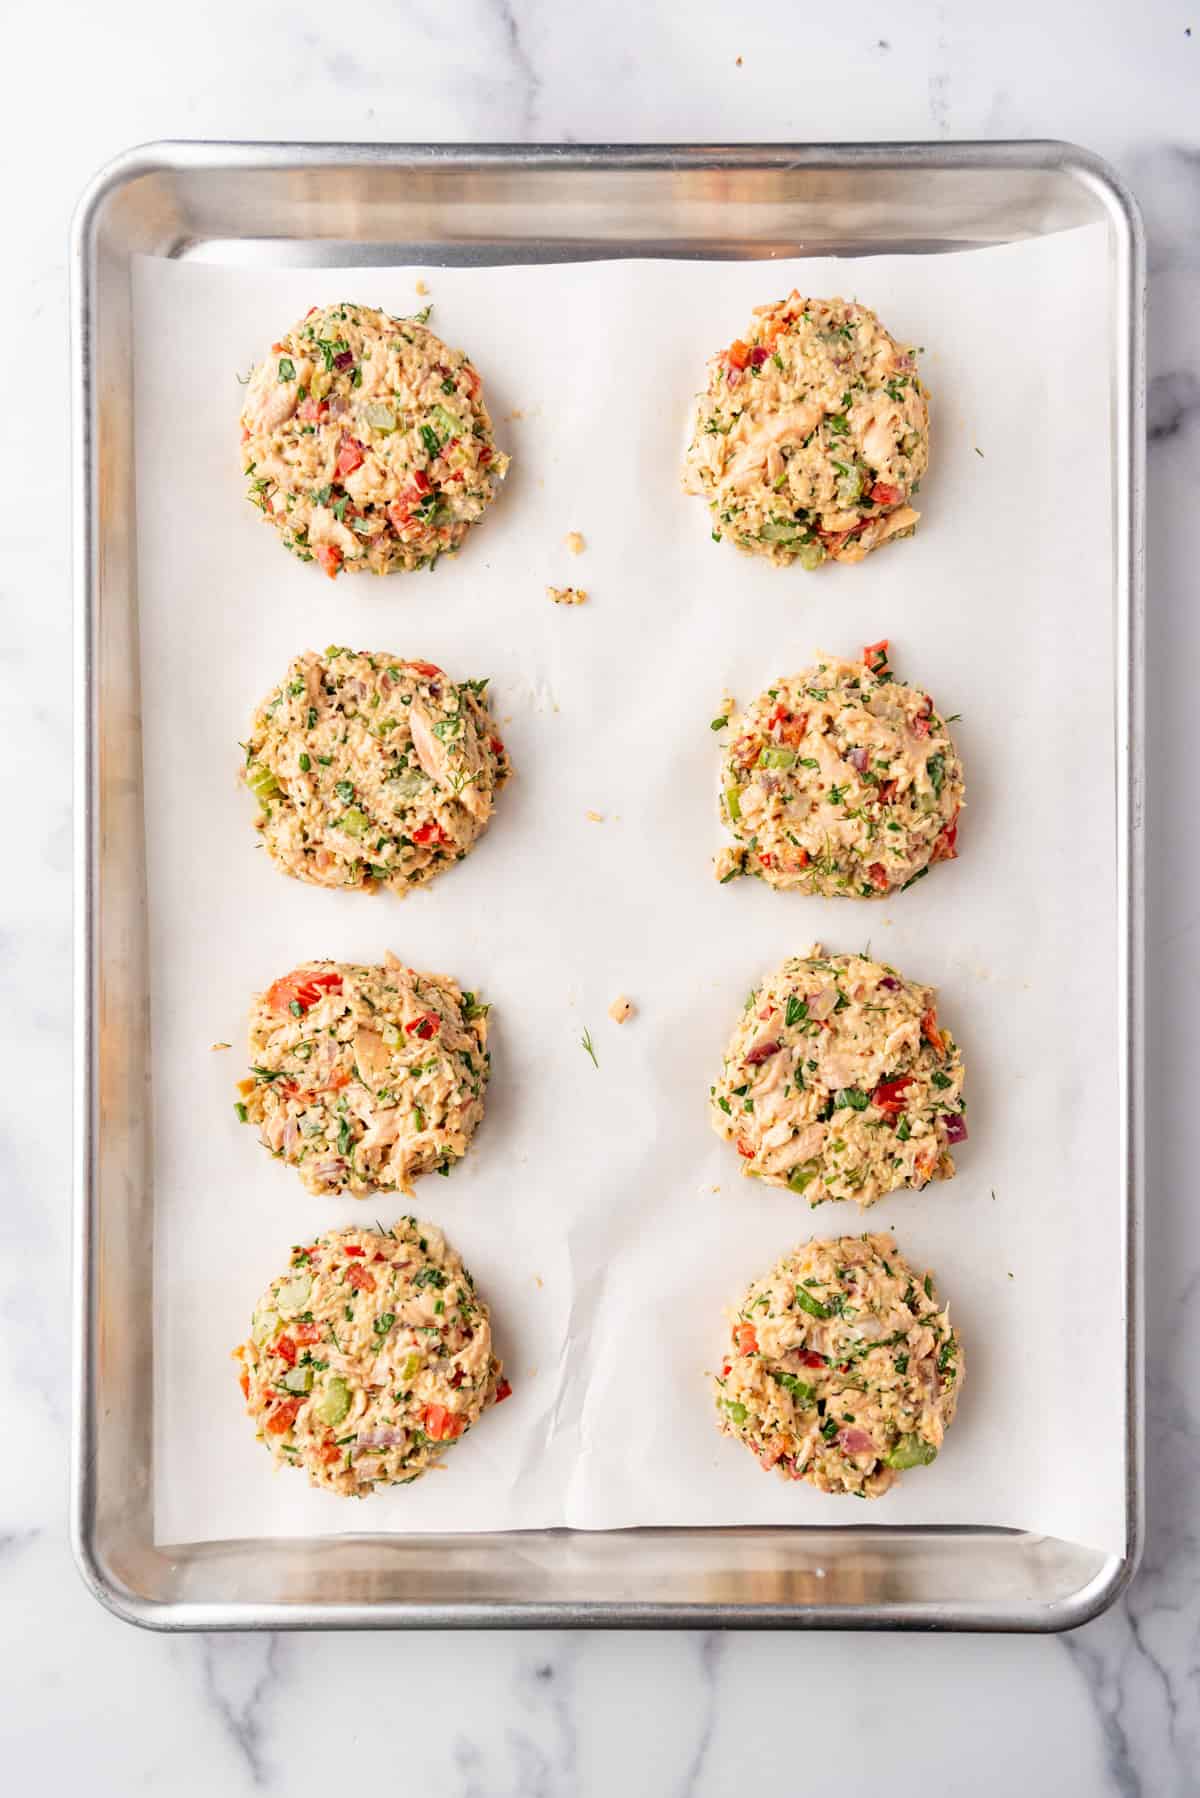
{"x":88,"y":1701}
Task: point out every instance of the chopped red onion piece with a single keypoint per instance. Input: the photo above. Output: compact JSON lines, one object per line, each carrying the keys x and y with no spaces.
{"x":956,"y":1127}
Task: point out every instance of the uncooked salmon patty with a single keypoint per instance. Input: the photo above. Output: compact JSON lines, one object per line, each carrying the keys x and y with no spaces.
{"x":839,"y":1082}
{"x":840,"y":781}
{"x":369,"y":1358}
{"x":812,"y":435}
{"x":363,"y":1077}
{"x":843,"y":1369}
{"x":370,"y":770}
{"x":366,"y":442}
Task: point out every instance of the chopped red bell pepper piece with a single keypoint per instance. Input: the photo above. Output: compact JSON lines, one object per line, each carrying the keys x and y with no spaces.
{"x":883,"y":495}
{"x":889,"y":1094}
{"x":745,"y":1340}
{"x":503,"y":1391}
{"x":738,"y":354}
{"x":350,"y":457}
{"x":360,"y":1280}
{"x":878,"y":877}
{"x":287,"y":1348}
{"x":426,"y":1026}
{"x":442,"y":1425}
{"x":875,"y":655}
{"x":283,"y":1417}
{"x":944,"y":849}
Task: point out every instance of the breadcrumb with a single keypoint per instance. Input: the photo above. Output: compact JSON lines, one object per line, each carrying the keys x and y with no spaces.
{"x":596,"y":817}
{"x":220,"y":1045}
{"x":574,"y":542}
{"x":421,"y":287}
{"x":567,"y":596}
{"x":620,"y":1009}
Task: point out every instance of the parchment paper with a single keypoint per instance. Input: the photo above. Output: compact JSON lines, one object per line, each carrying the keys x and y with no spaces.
{"x":602,"y":1219}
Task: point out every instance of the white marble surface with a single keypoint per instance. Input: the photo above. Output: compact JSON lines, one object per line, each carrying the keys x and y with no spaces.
{"x":86,"y":1702}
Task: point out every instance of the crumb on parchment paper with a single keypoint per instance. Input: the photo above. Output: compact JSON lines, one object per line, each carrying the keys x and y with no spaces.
{"x":567,"y":596}
{"x":620,"y":1009}
{"x":574,"y":542}
{"x":538,"y":1281}
{"x":220,"y":1045}
{"x":595,"y":817}
{"x":421,"y":287}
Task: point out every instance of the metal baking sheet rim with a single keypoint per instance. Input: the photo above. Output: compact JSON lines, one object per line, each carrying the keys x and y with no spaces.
{"x":115,"y":1586}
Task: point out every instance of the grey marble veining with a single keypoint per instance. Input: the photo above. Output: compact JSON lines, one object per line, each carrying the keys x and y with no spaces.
{"x":85,"y":1702}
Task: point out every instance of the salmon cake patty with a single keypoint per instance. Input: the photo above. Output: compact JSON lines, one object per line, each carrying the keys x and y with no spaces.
{"x":840,"y":781}
{"x":363,"y":1077}
{"x":369,"y":1358}
{"x":811,"y":436}
{"x":842,"y":1368}
{"x":366,"y":442}
{"x":839,"y":1082}
{"x":372,"y":771}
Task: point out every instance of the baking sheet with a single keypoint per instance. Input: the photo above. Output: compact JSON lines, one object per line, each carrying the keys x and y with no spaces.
{"x":601,"y":1218}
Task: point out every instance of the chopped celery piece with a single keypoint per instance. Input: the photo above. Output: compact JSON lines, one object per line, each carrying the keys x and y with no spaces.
{"x":780,"y":530}
{"x":417,"y":1118}
{"x":810,"y":555}
{"x":380,"y":416}
{"x":737,"y":1412}
{"x":733,"y":804}
{"x":447,"y":425}
{"x":298,"y":1379}
{"x":411,"y":1367}
{"x":294,"y":1294}
{"x":850,"y":486}
{"x":911,"y":1451}
{"x":334,"y":1402}
{"x":263,"y":1326}
{"x":261,"y":782}
{"x":407,"y":784}
{"x":354,"y":822}
{"x":803,"y":1176}
{"x":776,"y":758}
